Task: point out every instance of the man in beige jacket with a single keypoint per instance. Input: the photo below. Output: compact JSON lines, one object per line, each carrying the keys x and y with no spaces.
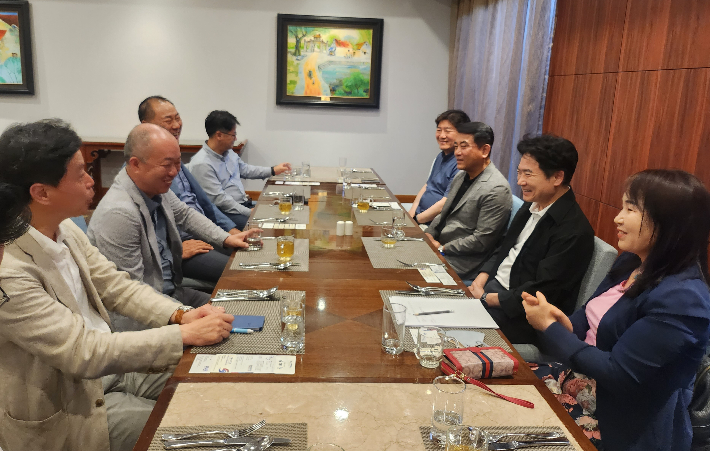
{"x":68,"y":383}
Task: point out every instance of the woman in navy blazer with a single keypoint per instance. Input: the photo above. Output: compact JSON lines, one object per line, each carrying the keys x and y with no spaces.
{"x":650,"y":341}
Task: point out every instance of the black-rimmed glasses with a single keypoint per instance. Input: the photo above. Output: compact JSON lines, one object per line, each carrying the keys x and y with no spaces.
{"x":5,"y":296}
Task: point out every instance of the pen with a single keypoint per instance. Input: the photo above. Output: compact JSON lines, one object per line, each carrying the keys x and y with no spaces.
{"x":433,"y":313}
{"x":237,"y":330}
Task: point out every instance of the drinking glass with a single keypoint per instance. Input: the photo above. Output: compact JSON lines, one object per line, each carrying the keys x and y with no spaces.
{"x":347,"y":185}
{"x":298,"y":197}
{"x":447,"y":409}
{"x":296,"y":173}
{"x":284,"y":248}
{"x":393,"y":329}
{"x":466,"y":438}
{"x":287,"y":175}
{"x":285,"y":204}
{"x":430,"y":346}
{"x":363,"y":201}
{"x":398,"y":222}
{"x":293,"y":331}
{"x":254,"y":241}
{"x":306,"y":169}
{"x":388,"y":236}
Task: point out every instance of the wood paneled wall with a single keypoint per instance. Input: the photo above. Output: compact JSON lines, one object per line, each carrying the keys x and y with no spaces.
{"x":630,"y":87}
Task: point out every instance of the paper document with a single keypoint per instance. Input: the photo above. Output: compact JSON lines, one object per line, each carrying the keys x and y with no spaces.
{"x":244,"y":363}
{"x":467,"y":312}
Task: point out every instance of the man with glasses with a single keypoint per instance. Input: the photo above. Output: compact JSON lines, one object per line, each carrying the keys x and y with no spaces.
{"x":549,"y":244}
{"x":199,"y":259}
{"x":474,"y":216}
{"x":219,"y":170}
{"x":136,"y":223}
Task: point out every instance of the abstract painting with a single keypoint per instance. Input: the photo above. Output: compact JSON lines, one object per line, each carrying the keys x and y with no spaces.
{"x":329,"y":61}
{"x":16,"y":75}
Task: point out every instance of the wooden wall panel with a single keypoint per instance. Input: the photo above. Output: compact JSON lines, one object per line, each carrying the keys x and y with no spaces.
{"x":579,"y":108}
{"x":587,"y":36}
{"x":590,"y":207}
{"x":666,"y":34}
{"x":660,"y":121}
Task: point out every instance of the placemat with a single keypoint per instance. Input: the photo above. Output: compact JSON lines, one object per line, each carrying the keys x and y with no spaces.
{"x":265,"y":342}
{"x":430,"y":445}
{"x":264,"y":211}
{"x":285,"y":189}
{"x":267,"y":254}
{"x":318,"y":174}
{"x":372,"y":193}
{"x":297,"y":432}
{"x":492,"y":337}
{"x":407,"y":251}
{"x":378,"y":216}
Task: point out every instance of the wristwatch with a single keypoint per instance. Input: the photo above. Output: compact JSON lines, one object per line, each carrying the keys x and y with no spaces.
{"x":180,"y":312}
{"x":441,"y":249}
{"x":483,"y":299}
{"x":273,"y":172}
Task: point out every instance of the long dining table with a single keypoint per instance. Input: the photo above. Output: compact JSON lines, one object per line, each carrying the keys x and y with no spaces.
{"x":344,"y":368}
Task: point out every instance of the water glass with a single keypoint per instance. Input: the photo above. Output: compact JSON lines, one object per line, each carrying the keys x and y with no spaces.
{"x":296,"y":174}
{"x":306,"y":169}
{"x":284,"y":248}
{"x":388,"y":236}
{"x":430,"y":346}
{"x":466,"y":438}
{"x":447,"y":409}
{"x":398,"y":222}
{"x":285,"y":204}
{"x":393,"y":329}
{"x":293,"y":330}
{"x":347,"y":183}
{"x":254,"y":241}
{"x":298,"y":197}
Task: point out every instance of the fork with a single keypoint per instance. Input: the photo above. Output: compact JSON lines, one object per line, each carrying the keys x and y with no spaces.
{"x":232,"y":434}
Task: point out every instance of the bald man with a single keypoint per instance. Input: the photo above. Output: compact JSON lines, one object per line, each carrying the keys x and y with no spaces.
{"x":136,"y":223}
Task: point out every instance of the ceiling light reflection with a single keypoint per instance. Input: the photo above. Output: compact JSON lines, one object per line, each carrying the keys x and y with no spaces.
{"x":341,"y":414}
{"x":321,"y":304}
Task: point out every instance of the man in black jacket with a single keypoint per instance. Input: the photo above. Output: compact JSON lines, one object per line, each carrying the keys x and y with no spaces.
{"x":549,"y":244}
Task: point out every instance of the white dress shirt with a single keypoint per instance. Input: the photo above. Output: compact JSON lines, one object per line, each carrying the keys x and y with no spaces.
{"x":62,"y":258}
{"x":503,"y":274}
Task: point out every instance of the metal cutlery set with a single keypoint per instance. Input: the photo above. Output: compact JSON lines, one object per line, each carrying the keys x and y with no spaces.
{"x":247,"y":295}
{"x":237,"y":440}
{"x":527,"y":440}
{"x":431,"y":291}
{"x":277,"y":266}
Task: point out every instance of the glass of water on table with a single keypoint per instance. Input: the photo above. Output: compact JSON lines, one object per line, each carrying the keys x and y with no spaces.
{"x":293,"y":331}
{"x":254,"y":240}
{"x":447,"y":409}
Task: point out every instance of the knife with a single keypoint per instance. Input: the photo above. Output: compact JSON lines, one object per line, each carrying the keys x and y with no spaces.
{"x":497,"y":446}
{"x":240,"y":441}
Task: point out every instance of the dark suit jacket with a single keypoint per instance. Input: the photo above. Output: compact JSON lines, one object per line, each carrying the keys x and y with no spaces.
{"x":648,"y":350}
{"x":553,"y":260}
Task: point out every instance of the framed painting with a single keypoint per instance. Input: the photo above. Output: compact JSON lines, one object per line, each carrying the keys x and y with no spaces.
{"x":16,"y":75}
{"x":328,"y":61}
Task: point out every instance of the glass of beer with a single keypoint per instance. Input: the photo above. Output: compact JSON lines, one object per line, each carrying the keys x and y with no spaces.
{"x":285,"y":204}
{"x":466,"y":438}
{"x":284,"y":248}
{"x":363,"y":201}
{"x":388,"y":236}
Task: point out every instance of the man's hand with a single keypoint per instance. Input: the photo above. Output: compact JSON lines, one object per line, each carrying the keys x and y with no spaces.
{"x":476,"y":290}
{"x":281,"y":168}
{"x":190,"y":248}
{"x":434,"y":242}
{"x":234,"y":231}
{"x":201,"y":312}
{"x":237,"y":240}
{"x":207,"y":330}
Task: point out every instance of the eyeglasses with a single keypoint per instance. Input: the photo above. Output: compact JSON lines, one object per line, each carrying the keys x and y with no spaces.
{"x":5,"y":296}
{"x":234,"y":135}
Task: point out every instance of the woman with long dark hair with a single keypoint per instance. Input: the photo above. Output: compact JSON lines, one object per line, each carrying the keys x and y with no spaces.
{"x":644,"y":331}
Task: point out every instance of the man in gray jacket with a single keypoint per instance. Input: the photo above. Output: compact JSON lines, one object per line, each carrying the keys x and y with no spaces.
{"x":135,"y":224}
{"x":477,"y":209}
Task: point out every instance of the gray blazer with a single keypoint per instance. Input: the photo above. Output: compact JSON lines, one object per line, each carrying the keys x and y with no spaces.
{"x":123,"y":231}
{"x":475,"y":226}
{"x":51,"y":396}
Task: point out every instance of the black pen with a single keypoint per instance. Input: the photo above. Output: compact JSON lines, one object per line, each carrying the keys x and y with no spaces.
{"x":433,"y":313}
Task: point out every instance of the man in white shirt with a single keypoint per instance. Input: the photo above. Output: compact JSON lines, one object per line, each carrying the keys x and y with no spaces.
{"x":548,"y":246}
{"x":219,"y":170}
{"x":68,"y":382}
